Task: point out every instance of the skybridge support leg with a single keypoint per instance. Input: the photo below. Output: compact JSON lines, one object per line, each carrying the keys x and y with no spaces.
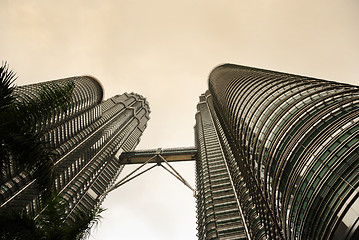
{"x":122,"y":181}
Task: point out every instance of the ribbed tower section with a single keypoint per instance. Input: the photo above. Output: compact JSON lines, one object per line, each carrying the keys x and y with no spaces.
{"x":87,"y":139}
{"x":219,"y":215}
{"x":295,"y":144}
{"x":82,"y":111}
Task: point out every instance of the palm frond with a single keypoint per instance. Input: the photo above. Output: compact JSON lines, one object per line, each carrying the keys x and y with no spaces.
{"x":21,"y":149}
{"x":27,"y":154}
{"x":51,"y":219}
{"x":20,"y":143}
{"x":17,"y":224}
{"x":50,"y":100}
{"x":55,"y":223}
{"x":84,"y":221}
{"x":7,"y":79}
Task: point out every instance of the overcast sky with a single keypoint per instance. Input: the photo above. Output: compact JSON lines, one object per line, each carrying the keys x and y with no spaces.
{"x":164,"y":50}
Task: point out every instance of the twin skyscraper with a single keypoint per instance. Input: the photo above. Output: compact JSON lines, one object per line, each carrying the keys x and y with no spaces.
{"x":277,"y":155}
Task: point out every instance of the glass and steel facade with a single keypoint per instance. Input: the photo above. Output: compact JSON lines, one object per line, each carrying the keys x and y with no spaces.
{"x":87,"y":139}
{"x":219,"y":214}
{"x":290,"y":146}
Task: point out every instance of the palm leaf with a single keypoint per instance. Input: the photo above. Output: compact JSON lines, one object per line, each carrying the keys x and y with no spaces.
{"x":56,"y":224}
{"x":82,"y":223}
{"x":21,"y":149}
{"x":52,"y":99}
{"x":7,"y":79}
{"x":16,"y":224}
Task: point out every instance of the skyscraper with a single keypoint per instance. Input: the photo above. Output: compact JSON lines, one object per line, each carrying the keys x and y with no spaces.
{"x":278,"y":156}
{"x":87,"y":139}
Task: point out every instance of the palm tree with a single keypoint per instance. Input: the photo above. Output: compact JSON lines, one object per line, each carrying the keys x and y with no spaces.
{"x":20,"y":145}
{"x":51,"y":224}
{"x":56,"y":225}
{"x":21,"y":150}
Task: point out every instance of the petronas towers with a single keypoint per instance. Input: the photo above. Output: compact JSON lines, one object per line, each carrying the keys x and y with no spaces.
{"x":277,"y":154}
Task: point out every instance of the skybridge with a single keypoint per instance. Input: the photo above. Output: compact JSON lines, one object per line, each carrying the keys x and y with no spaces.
{"x":169,"y":154}
{"x":160,"y":157}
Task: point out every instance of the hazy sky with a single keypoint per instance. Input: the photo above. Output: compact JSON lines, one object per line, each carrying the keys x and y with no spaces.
{"x":165,"y":50}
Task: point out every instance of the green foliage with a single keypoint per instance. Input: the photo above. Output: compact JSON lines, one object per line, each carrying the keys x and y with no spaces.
{"x":51,"y":224}
{"x":16,"y":224}
{"x":20,"y":145}
{"x":21,"y":118}
{"x":50,"y":100}
{"x":7,"y":79}
{"x":83,"y":222}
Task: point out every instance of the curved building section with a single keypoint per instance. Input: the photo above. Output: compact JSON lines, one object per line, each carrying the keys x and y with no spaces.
{"x":88,"y":90}
{"x":295,"y":142}
{"x":82,"y":111}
